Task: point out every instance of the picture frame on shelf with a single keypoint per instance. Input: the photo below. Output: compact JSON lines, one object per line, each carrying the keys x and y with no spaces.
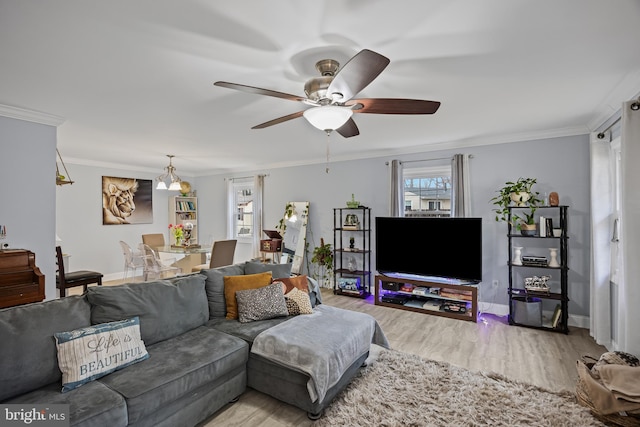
{"x":351,"y":222}
{"x":349,"y":284}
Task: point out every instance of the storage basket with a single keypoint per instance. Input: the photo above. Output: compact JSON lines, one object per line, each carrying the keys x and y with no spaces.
{"x":631,"y":420}
{"x":527,"y":311}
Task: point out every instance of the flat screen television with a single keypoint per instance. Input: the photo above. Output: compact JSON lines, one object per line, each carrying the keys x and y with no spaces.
{"x":447,"y":248}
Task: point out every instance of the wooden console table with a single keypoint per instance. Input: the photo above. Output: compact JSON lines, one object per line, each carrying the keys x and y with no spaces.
{"x":21,"y":282}
{"x":446,"y":298}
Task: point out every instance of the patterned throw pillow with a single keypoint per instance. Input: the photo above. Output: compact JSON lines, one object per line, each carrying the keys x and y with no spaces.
{"x":89,"y":353}
{"x":299,"y":282}
{"x":233,"y":284}
{"x":298,"y":302}
{"x":261,"y":303}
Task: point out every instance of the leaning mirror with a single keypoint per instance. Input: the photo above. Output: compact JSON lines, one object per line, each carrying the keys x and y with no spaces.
{"x":293,"y":228}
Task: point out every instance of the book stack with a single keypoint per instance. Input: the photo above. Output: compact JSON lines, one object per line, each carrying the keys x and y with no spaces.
{"x":536,"y":261}
{"x":555,"y":320}
{"x":546,"y":227}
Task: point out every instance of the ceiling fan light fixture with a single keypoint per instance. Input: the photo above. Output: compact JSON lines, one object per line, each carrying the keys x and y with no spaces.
{"x":328,"y":117}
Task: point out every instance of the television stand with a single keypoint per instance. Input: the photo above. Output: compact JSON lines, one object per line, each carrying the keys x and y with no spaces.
{"x":440,"y":297}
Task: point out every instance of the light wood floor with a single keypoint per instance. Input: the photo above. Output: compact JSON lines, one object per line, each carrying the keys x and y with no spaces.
{"x":546,"y":359}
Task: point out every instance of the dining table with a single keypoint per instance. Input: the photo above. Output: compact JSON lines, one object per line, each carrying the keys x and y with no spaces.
{"x":185,"y":257}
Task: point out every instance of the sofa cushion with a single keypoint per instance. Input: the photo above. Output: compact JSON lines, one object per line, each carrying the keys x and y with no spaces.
{"x":299,"y":282}
{"x":178,"y":367}
{"x":232,"y":284}
{"x":166,"y":309}
{"x":246,"y":331}
{"x":27,"y":347}
{"x":304,"y":283}
{"x":89,"y":353}
{"x":92,"y":405}
{"x":277,"y":270}
{"x":214,"y":286}
{"x":298,"y":302}
{"x":262,"y":303}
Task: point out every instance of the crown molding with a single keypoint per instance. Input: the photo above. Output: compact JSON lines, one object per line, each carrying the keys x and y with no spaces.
{"x":31,"y":115}
{"x":611,"y":106}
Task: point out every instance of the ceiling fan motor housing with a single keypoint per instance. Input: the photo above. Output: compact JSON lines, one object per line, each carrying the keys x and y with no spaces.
{"x":316,"y":88}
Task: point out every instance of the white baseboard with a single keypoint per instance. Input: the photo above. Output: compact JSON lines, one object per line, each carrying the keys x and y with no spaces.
{"x":503,"y":310}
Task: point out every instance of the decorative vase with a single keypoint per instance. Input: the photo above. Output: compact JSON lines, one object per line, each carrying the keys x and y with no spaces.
{"x":178,"y":241}
{"x":521,"y":198}
{"x":517,"y":257}
{"x":554,"y":257}
{"x":352,"y":264}
{"x":528,"y":229}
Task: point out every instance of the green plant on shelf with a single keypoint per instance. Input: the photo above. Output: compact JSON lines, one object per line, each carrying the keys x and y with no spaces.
{"x":322,"y":258}
{"x":519,"y":194}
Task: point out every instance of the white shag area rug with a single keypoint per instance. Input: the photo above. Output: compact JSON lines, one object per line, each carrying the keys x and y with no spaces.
{"x":400,"y":389}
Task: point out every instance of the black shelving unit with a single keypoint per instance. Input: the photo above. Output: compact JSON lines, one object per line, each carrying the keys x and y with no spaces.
{"x":352,"y":264}
{"x":517,"y":292}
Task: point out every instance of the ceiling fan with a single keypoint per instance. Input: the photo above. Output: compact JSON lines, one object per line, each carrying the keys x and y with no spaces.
{"x":331,"y":95}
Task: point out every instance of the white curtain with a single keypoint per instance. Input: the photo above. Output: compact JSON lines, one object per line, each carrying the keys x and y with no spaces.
{"x":231,"y":209}
{"x":397,"y":189}
{"x":629,"y":300}
{"x":258,"y":194}
{"x":601,"y":230}
{"x":460,"y":186}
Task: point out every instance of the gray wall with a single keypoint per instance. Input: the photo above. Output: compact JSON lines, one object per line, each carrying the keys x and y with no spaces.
{"x":91,"y":245}
{"x":28,"y":191}
{"x":559,"y":164}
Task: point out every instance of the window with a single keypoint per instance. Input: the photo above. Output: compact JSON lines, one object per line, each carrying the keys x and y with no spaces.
{"x":427,"y":191}
{"x":243,"y":220}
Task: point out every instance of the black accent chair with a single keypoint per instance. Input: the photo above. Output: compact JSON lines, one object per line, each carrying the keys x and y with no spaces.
{"x":74,"y":278}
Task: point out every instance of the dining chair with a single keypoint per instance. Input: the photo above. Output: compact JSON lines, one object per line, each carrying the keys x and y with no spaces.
{"x":222,"y":254}
{"x":132,"y":260}
{"x":65,"y":280}
{"x":153,"y":266}
{"x":154,"y":240}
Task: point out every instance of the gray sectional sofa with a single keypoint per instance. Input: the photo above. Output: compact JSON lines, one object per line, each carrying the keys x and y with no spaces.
{"x":198,"y":360}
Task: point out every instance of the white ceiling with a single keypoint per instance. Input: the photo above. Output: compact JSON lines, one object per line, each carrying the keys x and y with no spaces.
{"x":133,"y":79}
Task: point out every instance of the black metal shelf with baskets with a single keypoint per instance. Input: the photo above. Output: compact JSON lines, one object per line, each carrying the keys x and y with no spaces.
{"x":360,"y":253}
{"x":519,"y":294}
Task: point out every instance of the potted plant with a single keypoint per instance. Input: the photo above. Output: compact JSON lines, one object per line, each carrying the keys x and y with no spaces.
{"x":282,"y":224}
{"x":521,"y":194}
{"x":323,"y":259}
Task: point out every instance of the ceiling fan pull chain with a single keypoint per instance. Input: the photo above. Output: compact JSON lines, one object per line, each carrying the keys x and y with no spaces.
{"x":326,"y":170}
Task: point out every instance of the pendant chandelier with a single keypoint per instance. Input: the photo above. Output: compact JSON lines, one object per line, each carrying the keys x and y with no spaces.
{"x":169,"y":176}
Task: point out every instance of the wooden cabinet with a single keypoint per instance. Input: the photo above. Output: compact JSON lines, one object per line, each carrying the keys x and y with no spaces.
{"x":21,"y":282}
{"x":446,"y":298}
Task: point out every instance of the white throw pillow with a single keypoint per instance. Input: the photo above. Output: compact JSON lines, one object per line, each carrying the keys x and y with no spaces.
{"x":89,"y":353}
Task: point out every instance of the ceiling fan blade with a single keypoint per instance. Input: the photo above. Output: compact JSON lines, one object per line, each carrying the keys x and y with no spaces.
{"x":260,"y":91}
{"x":278,"y":120}
{"x":393,"y":106}
{"x":357,"y":73}
{"x":348,"y":129}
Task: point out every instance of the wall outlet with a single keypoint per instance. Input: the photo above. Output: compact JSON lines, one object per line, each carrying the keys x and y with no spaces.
{"x":495,"y":283}
{"x":4,"y":244}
